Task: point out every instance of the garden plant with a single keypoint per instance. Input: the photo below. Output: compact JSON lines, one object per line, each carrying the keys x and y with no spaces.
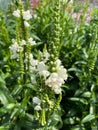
{"x":48,"y":65}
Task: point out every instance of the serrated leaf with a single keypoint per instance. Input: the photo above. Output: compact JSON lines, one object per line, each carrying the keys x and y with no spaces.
{"x":88,"y":118}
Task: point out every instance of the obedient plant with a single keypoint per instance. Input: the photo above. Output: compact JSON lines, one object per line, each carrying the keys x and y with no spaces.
{"x":40,"y":78}
{"x":32,"y":76}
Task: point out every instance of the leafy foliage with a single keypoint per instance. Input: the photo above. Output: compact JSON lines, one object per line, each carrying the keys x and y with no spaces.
{"x":78,"y":53}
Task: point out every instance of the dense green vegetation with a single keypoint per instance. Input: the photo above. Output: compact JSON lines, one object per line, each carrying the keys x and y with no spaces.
{"x":54,"y":32}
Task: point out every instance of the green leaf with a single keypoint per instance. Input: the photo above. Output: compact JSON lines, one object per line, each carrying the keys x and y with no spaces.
{"x":17,"y":127}
{"x":88,"y":118}
{"x":33,"y":87}
{"x":10,"y":106}
{"x":78,"y":127}
{"x":81,"y":100}
{"x":3,"y":111}
{"x":86,"y":94}
{"x":5,"y":96}
{"x":54,"y":120}
{"x":5,"y":127}
{"x":14,"y":112}
{"x":74,"y":69}
{"x":17,"y":90}
{"x":80,"y":62}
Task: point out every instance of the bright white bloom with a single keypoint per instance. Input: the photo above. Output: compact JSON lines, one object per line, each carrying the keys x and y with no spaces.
{"x":44,"y":73}
{"x":27,"y":15}
{"x":36,"y":100}
{"x":42,"y":69}
{"x":23,"y":42}
{"x":58,"y":62}
{"x":13,"y":41}
{"x":33,"y":62}
{"x":26,"y":24}
{"x":37,"y":108}
{"x":57,"y":90}
{"x":32,"y":69}
{"x":31,"y":41}
{"x":62,"y":72}
{"x":33,"y":79}
{"x":15,"y":48}
{"x":56,"y":79}
{"x":16,"y":13}
{"x":45,"y":56}
{"x":53,"y":80}
{"x":15,"y":56}
{"x":41,"y":66}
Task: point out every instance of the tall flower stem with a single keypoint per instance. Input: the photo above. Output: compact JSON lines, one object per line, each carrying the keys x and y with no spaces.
{"x":26,"y":49}
{"x":55,"y":36}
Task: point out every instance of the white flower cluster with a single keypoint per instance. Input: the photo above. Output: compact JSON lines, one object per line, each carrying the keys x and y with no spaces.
{"x":38,"y":66}
{"x":53,"y":80}
{"x":56,"y":79}
{"x":26,"y":16}
{"x":16,"y":47}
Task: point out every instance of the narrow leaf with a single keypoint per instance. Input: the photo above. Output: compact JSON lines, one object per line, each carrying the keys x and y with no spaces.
{"x":88,"y":118}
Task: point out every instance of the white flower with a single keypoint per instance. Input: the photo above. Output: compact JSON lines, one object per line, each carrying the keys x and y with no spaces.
{"x":15,"y":48}
{"x":55,"y":82}
{"x":16,"y":13}
{"x":44,"y":73}
{"x":42,"y":69}
{"x":45,"y":56}
{"x":33,"y":80}
{"x":23,"y":42}
{"x":32,"y":69}
{"x":36,"y":100}
{"x":31,"y":41}
{"x":62,"y":72}
{"x":41,"y":66}
{"x":27,"y":15}
{"x":14,"y":56}
{"x":57,"y":90}
{"x":33,"y":62}
{"x":58,"y":62}
{"x":37,"y":108}
{"x":26,"y":24}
